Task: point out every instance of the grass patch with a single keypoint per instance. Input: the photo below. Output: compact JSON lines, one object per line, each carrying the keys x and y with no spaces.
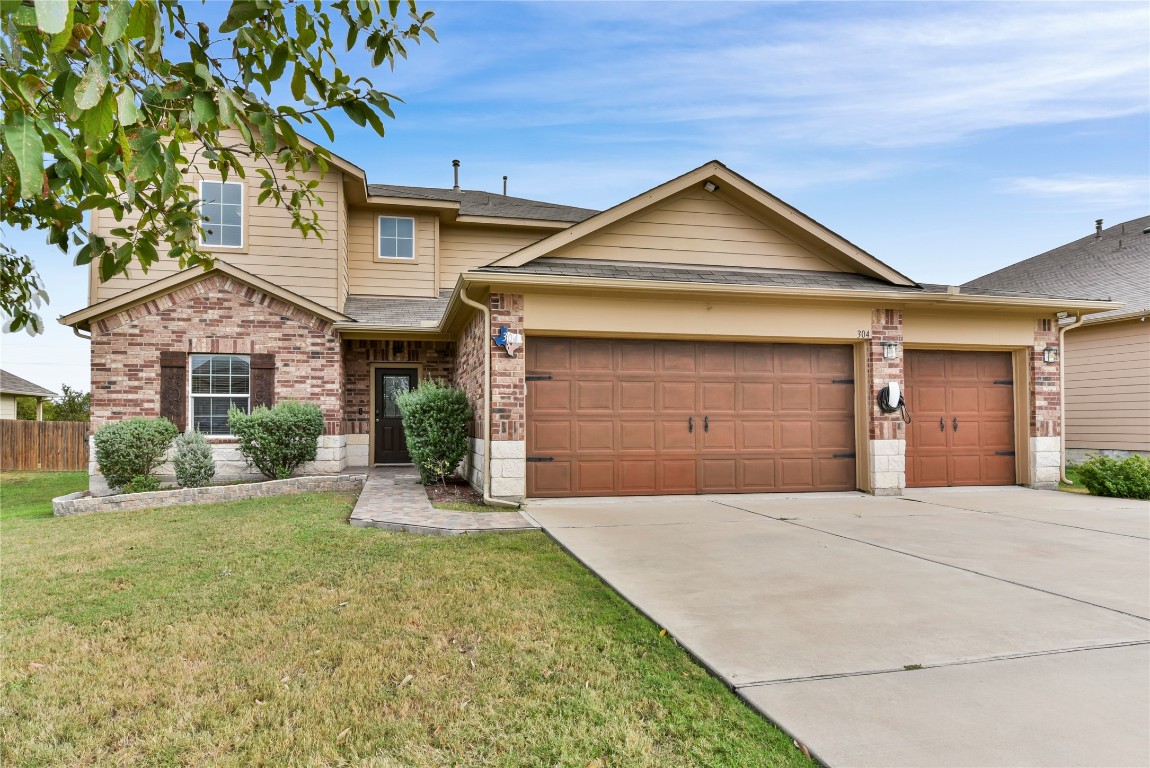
{"x":30,"y":494}
{"x":468,"y":506}
{"x":1072,"y":475}
{"x":270,"y":632}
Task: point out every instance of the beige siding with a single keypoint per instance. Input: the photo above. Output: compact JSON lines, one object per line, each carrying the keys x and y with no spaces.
{"x":698,"y":227}
{"x":341,"y":284}
{"x":369,"y":275}
{"x":934,"y":329}
{"x":1108,"y":386}
{"x":464,"y":248}
{"x":7,"y":406}
{"x":272,"y":249}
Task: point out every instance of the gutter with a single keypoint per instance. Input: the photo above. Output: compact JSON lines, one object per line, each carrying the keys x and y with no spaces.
{"x":1079,"y":320}
{"x":486,"y":311}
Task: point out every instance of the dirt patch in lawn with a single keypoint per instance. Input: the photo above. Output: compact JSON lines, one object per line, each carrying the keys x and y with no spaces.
{"x":456,"y":494}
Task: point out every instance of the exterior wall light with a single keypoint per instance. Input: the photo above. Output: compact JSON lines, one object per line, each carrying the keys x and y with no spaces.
{"x":889,"y":350}
{"x":711,"y":186}
{"x":1050,"y":355}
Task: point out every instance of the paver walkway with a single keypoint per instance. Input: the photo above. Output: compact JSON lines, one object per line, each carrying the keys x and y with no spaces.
{"x":392,"y":498}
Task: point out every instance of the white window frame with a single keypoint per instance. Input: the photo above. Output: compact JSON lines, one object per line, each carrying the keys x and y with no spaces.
{"x":192,"y":397}
{"x":379,"y":239}
{"x":243,"y":213}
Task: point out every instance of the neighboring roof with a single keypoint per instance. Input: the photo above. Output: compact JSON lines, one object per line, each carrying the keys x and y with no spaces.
{"x":11,"y":384}
{"x":783,"y":278}
{"x":82,"y":318}
{"x":1115,"y":266}
{"x":397,"y":311}
{"x":475,"y":203}
{"x":726,"y":184}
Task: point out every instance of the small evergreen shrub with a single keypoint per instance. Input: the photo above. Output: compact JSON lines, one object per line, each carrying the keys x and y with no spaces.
{"x":277,"y":440}
{"x":435,"y":418}
{"x":129,"y":451}
{"x":1127,"y":478}
{"x":194,"y":464}
{"x":142,"y":484}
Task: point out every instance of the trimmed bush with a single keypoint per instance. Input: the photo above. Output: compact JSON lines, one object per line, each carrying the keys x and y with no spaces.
{"x":1127,"y":478}
{"x":142,"y":484}
{"x":128,"y":452}
{"x":194,"y":464}
{"x":435,"y":418}
{"x":278,"y":440}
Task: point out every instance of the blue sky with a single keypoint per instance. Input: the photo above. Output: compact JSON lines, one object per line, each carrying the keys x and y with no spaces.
{"x":948,"y":139}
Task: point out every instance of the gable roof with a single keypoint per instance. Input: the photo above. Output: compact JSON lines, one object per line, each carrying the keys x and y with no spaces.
{"x":476,"y":203}
{"x":83,"y":318}
{"x":1115,"y":265}
{"x":11,"y":384}
{"x":730,"y":185}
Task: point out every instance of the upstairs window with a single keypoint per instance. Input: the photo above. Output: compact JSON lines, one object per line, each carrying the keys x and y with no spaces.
{"x":222,"y":209}
{"x":218,"y":383}
{"x":396,"y":237}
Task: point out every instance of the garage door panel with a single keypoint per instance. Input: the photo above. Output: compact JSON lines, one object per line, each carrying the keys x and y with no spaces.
{"x":834,"y":436}
{"x":550,"y":437}
{"x":758,"y":474}
{"x":719,"y":474}
{"x":677,"y":475}
{"x":595,"y":395}
{"x":718,"y":358}
{"x":718,"y":396}
{"x":997,"y":436}
{"x":637,"y":357}
{"x":797,"y":474}
{"x":796,"y":396}
{"x":595,"y":477}
{"x":677,"y":357}
{"x":719,"y":435}
{"x":998,"y":399}
{"x":964,"y":399}
{"x":757,"y":435}
{"x":962,"y":366}
{"x":553,"y":357}
{"x":755,"y":358}
{"x":834,"y":361}
{"x":678,"y":396}
{"x":674,"y":435}
{"x":637,"y":436}
{"x":991,"y":367}
{"x":928,"y":400}
{"x":796,"y":436}
{"x":552,"y":478}
{"x":638,"y":476}
{"x":968,"y":435}
{"x":637,"y":396}
{"x":794,"y":359}
{"x":551,"y":395}
{"x":833,"y":398}
{"x":592,"y":437}
{"x":835,"y":474}
{"x":922,"y":365}
{"x":594,"y":356}
{"x":998,"y":470}
{"x":756,"y":396}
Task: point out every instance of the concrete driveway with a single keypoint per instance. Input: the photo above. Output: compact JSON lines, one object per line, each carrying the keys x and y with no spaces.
{"x":949,"y":627}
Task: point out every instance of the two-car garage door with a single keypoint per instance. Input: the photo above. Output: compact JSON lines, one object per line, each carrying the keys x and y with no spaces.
{"x":612,"y":417}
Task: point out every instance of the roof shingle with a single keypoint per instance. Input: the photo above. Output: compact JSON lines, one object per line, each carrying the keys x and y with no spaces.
{"x":397,"y":311}
{"x":475,"y":203}
{"x":11,"y":384}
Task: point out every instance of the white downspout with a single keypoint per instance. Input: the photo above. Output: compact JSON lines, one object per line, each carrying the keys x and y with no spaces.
{"x":487,"y":499}
{"x":1079,"y":320}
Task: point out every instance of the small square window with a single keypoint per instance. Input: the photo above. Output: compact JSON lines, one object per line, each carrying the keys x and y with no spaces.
{"x":396,"y":237}
{"x":222,"y":210}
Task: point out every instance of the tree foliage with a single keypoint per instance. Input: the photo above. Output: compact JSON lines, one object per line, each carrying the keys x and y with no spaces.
{"x":72,"y":405}
{"x":108,"y":102}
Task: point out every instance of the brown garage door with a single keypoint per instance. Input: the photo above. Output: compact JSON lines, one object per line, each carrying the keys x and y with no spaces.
{"x":629,"y":417}
{"x":963,"y":428}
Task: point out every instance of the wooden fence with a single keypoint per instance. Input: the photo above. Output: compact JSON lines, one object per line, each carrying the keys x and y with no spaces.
{"x":49,"y":445}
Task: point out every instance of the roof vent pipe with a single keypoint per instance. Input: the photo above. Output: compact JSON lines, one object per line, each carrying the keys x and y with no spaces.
{"x":505,"y":186}
{"x":455,"y":165}
{"x":1097,"y":228}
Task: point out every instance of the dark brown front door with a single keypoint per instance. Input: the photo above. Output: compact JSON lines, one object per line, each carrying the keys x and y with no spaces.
{"x":390,"y":444}
{"x":963,"y":409}
{"x":631,"y":417}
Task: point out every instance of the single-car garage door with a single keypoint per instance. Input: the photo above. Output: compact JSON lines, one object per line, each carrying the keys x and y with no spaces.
{"x":963,"y":428}
{"x":609,"y":417}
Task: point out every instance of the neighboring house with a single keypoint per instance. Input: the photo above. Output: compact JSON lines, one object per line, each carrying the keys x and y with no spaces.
{"x":1107,"y":358}
{"x":12,"y":387}
{"x":701,"y":337}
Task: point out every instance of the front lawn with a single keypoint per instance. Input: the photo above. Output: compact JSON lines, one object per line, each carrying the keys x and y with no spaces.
{"x":270,"y":632}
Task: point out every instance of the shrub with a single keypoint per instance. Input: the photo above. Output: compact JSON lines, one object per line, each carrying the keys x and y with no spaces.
{"x":435,"y":420}
{"x":128,"y":452}
{"x":194,"y":464}
{"x":277,"y":440}
{"x":142,"y":484}
{"x":1127,"y":478}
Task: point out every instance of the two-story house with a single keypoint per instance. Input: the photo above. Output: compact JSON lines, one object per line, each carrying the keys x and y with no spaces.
{"x":702,"y":337}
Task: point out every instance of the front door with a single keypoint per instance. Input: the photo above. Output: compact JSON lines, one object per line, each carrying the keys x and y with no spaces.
{"x":390,"y":444}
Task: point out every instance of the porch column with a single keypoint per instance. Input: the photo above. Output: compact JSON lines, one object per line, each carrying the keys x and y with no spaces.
{"x":886,"y":430}
{"x":508,"y":401}
{"x":1045,"y":400}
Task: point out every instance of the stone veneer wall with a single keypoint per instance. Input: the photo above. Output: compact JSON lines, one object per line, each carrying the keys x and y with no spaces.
{"x":217,"y":315}
{"x":436,"y":359}
{"x":886,"y":430}
{"x":1045,"y":402}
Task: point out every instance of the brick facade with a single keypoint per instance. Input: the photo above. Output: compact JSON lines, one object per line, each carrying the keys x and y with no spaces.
{"x":1045,"y":399}
{"x":508,"y":385}
{"x":435,"y":358}
{"x":886,"y":326}
{"x":217,"y":314}
{"x":469,"y":369}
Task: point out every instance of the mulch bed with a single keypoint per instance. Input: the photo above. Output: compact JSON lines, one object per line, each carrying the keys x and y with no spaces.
{"x":454,"y":488}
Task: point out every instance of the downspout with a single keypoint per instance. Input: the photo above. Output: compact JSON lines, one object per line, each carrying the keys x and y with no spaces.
{"x":1079,"y":320}
{"x":80,"y":333}
{"x":487,"y":499}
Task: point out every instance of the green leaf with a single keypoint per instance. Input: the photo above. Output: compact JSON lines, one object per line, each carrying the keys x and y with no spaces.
{"x":298,"y":83}
{"x":241,"y":12}
{"x":92,"y":84}
{"x":116,"y":23}
{"x":326,"y":126}
{"x":227,"y":108}
{"x":27,"y":148}
{"x":53,"y":15}
{"x":63,"y":143}
{"x":126,"y":107}
{"x":279,"y":61}
{"x":204,"y":107}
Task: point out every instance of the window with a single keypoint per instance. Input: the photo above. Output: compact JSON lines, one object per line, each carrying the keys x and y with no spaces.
{"x":218,"y":383}
{"x":396,"y":237}
{"x":222,"y":208}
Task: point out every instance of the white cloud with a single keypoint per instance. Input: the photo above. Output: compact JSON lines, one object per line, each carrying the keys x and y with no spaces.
{"x":1112,"y":191}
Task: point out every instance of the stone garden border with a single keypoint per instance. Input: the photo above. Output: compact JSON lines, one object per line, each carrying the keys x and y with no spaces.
{"x":82,"y":503}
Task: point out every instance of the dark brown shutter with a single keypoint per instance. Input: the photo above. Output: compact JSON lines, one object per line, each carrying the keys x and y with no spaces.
{"x":174,"y":388}
{"x":263,"y":380}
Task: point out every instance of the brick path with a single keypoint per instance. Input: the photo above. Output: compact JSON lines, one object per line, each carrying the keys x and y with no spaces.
{"x":392,"y":498}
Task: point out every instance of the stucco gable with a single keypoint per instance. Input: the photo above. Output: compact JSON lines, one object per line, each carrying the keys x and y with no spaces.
{"x":710,"y":216}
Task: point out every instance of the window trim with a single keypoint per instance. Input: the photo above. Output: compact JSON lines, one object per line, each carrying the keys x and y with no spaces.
{"x":414,"y":240}
{"x":191,"y":421}
{"x":243,"y":246}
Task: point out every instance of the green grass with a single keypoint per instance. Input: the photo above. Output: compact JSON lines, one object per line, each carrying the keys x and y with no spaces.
{"x":270,"y":632}
{"x":30,"y":494}
{"x":467,"y":506}
{"x":1072,"y":475}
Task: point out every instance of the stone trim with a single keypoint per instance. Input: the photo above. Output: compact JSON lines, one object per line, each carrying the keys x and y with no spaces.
{"x":82,"y":503}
